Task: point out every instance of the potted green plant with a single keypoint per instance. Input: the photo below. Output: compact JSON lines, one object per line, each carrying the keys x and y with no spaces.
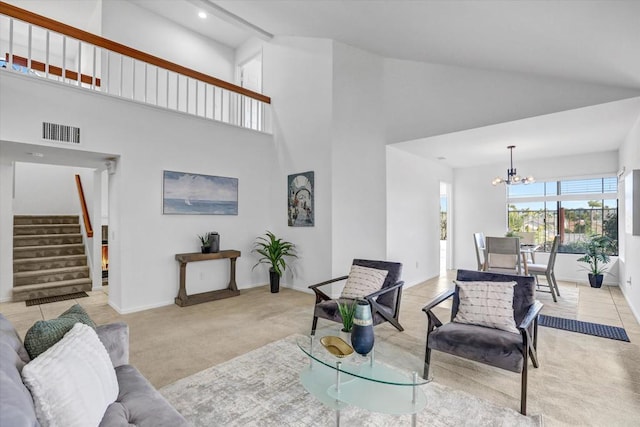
{"x":273,"y":251}
{"x":205,"y":243}
{"x":596,"y":254}
{"x":347,"y":308}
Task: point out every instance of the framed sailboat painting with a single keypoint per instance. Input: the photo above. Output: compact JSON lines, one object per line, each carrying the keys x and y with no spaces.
{"x":196,"y":194}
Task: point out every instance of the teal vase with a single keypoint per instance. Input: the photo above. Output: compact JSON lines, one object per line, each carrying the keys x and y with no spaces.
{"x":362,"y":332}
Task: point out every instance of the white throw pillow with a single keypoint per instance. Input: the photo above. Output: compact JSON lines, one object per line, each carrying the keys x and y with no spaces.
{"x":487,"y":304}
{"x":363,"y":281}
{"x":73,"y":382}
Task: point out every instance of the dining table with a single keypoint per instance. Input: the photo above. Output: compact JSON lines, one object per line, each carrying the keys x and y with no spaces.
{"x":528,"y":251}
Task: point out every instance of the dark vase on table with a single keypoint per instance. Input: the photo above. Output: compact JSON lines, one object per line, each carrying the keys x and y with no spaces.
{"x":362,"y":332}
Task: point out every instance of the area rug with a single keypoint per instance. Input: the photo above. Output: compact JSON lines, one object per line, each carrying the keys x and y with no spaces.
{"x":262,"y":388}
{"x":47,"y":300}
{"x":596,"y":329}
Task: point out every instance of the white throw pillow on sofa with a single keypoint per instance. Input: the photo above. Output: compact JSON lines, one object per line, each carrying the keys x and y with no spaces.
{"x":73,"y":382}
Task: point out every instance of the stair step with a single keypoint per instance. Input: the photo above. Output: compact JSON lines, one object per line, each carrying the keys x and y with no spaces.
{"x":39,"y":229}
{"x":47,"y":251}
{"x":45,"y":219}
{"x":26,"y":278}
{"x":49,"y":289}
{"x":46,"y":240}
{"x":47,"y":263}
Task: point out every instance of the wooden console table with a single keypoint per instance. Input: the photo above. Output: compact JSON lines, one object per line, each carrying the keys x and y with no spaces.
{"x":231,"y":291}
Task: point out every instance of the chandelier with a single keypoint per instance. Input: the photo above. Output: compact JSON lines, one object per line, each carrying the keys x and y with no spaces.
{"x":512,"y":177}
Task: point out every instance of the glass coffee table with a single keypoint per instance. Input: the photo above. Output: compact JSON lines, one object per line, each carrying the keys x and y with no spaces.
{"x":376,"y":382}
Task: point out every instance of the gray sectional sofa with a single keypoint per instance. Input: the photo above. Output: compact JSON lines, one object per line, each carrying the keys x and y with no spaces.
{"x":138,"y":403}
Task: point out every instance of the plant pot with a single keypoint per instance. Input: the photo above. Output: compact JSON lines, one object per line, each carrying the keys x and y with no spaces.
{"x":595,"y":280}
{"x":274,"y":281}
{"x":205,"y":249}
{"x":345,"y":335}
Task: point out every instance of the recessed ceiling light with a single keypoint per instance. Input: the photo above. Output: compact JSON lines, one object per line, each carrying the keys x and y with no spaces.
{"x":202,"y":15}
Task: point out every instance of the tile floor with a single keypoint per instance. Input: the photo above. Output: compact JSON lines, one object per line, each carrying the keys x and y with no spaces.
{"x":582,"y":380}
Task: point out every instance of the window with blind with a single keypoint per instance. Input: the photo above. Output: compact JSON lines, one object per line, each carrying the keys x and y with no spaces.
{"x":575,"y":209}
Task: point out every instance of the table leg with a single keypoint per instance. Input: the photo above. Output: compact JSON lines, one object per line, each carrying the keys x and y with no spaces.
{"x":338,"y":366}
{"x":524,"y":262}
{"x":182,"y":293}
{"x":232,"y":279}
{"x":413,"y":400}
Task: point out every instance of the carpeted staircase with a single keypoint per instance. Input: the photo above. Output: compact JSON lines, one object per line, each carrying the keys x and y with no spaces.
{"x":48,"y":257}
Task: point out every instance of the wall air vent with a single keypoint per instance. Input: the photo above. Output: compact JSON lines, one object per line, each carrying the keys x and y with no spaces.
{"x":60,"y":133}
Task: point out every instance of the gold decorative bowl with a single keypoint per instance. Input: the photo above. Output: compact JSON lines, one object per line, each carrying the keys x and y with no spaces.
{"x":336,"y":346}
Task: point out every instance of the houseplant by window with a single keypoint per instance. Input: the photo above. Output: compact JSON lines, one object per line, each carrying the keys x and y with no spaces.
{"x":596,"y":254}
{"x":273,"y":251}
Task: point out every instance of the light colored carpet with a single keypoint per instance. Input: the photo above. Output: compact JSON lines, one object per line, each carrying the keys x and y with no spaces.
{"x":262,"y":388}
{"x":566,"y":306}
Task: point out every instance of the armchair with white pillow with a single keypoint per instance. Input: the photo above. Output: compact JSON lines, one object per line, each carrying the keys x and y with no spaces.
{"x":377,"y":282}
{"x":494,"y":320}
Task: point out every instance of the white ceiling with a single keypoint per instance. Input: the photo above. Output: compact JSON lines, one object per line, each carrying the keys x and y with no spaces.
{"x":53,"y":155}
{"x":590,"y":40}
{"x":585,"y":130}
{"x":596,"y":41}
{"x":185,"y":13}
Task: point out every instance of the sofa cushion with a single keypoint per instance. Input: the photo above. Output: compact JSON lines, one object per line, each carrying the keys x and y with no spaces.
{"x":45,"y":333}
{"x":16,"y":404}
{"x":139,"y":404}
{"x":73,"y":382}
{"x":487,"y":304}
{"x":494,"y":347}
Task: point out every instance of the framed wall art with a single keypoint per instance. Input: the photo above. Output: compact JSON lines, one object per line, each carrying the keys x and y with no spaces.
{"x":196,"y":194}
{"x":300,"y":198}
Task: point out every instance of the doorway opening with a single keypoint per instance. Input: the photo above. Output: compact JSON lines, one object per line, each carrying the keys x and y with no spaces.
{"x":445,"y":229}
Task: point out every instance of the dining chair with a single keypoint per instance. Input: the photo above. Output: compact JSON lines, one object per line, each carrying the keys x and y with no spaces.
{"x":547,"y":269}
{"x":503,"y":255}
{"x":478,"y":242}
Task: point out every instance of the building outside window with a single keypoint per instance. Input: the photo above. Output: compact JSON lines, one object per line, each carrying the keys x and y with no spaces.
{"x":575,"y":209}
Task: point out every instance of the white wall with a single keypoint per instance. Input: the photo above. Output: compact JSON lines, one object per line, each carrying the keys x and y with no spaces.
{"x":425,"y":99}
{"x":358,"y":154}
{"x":50,"y":189}
{"x":629,"y":158}
{"x":413,"y":213}
{"x":297,"y":75}
{"x":133,"y":26}
{"x":6,"y":226}
{"x":143,"y":242}
{"x":481,"y":207}
{"x":59,"y":10}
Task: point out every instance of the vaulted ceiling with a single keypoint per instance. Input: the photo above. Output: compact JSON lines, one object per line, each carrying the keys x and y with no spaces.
{"x":594,"y":42}
{"x":589,"y":41}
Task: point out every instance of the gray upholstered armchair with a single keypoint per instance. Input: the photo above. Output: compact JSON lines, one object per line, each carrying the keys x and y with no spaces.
{"x":385,"y":303}
{"x":495,"y":347}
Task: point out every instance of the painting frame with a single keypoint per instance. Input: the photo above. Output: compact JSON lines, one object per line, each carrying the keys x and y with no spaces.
{"x":301,"y":199}
{"x":186,"y":193}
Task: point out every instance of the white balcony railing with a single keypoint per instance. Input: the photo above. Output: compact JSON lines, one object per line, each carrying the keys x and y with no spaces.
{"x":44,"y":48}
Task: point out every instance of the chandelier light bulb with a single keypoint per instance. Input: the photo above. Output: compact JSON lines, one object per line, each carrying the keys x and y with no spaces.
{"x":512,"y":177}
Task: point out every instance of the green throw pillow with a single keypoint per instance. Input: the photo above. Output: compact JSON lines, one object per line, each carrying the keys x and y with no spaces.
{"x":45,"y":333}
